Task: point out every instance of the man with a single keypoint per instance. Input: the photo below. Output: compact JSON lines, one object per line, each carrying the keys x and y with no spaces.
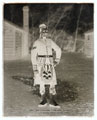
{"x":43,"y":65}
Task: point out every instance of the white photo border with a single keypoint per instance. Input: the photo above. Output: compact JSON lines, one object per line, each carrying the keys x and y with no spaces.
{"x":1,"y":59}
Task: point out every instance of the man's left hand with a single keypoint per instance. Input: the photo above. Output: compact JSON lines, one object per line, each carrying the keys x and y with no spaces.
{"x":56,"y":62}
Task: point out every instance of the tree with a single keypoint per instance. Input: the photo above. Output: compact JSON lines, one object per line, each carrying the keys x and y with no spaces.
{"x":77,"y":27}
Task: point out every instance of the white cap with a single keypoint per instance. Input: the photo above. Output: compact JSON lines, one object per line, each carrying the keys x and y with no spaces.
{"x":42,"y":26}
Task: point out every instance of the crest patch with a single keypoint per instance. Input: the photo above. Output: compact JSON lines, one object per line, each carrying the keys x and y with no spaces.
{"x":34,"y":47}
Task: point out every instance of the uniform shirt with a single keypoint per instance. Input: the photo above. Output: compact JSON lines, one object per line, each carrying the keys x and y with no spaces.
{"x":44,"y":47}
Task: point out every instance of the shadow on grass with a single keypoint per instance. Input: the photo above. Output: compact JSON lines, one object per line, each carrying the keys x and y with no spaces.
{"x":66,"y":90}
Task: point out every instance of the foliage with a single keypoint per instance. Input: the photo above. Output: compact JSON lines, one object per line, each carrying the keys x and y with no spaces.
{"x":57,"y":16}
{"x":61,"y":19}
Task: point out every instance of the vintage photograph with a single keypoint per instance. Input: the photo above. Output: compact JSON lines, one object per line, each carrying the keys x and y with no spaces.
{"x":48,"y":59}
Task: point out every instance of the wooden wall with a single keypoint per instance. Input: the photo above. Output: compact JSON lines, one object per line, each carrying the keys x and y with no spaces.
{"x":15,"y":42}
{"x":9,"y":41}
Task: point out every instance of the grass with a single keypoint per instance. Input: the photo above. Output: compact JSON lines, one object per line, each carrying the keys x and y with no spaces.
{"x":75,"y":81}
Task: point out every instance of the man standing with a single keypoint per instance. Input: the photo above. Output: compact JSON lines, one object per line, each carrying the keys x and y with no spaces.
{"x":43,"y":65}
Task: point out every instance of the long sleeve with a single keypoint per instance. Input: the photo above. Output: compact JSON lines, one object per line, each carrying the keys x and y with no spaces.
{"x":34,"y":55}
{"x":57,"y":49}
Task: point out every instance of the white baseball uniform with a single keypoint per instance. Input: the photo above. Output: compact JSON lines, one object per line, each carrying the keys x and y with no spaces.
{"x":42,"y":60}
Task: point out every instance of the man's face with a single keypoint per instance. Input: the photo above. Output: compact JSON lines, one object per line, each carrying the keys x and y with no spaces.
{"x":44,"y":33}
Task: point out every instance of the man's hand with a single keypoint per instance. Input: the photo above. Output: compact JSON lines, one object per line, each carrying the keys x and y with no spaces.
{"x":35,"y":69}
{"x":56,"y":62}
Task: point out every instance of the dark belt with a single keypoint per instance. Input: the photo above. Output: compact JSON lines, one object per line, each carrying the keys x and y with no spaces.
{"x":45,"y":56}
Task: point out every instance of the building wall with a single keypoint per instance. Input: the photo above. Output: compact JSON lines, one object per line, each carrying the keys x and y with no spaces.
{"x":15,"y":42}
{"x":89,"y":44}
{"x":9,"y":41}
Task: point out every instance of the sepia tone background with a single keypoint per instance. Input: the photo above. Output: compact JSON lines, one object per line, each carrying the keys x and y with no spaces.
{"x":71,"y":27}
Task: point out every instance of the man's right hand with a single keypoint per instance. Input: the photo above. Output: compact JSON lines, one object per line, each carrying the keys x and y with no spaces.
{"x":36,"y":71}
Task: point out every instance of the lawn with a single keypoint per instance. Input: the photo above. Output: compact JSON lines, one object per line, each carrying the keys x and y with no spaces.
{"x":74,"y":90}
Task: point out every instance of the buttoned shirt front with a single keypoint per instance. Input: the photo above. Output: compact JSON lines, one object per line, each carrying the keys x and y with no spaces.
{"x":44,"y":47}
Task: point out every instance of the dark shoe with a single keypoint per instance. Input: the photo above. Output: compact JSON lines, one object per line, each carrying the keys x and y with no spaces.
{"x":53,"y":103}
{"x":43,"y":103}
